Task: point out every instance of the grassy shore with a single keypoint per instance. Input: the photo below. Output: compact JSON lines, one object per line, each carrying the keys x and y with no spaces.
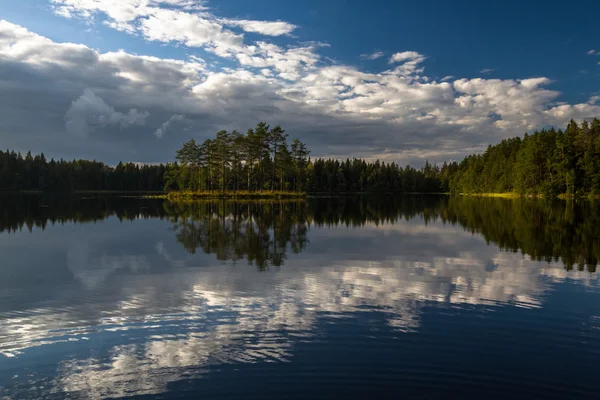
{"x":507,"y":195}
{"x":587,"y":196}
{"x":240,"y":194}
{"x":269,"y":195}
{"x":514,"y":195}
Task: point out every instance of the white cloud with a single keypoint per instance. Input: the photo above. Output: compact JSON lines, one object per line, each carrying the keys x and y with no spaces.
{"x":90,"y":111}
{"x":19,"y":44}
{"x":405,"y":56}
{"x":192,"y":30}
{"x":372,"y":56}
{"x":121,"y":26}
{"x":487,"y":70}
{"x":565,"y":112}
{"x":410,"y":63}
{"x":117,"y":10}
{"x":165,"y":125}
{"x":193,"y":5}
{"x":399,"y":113}
{"x":289,"y":63}
{"x":268,"y":28}
{"x":593,"y":53}
{"x":189,"y":23}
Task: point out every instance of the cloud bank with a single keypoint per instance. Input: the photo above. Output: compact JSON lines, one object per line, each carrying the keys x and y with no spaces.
{"x":114,"y":105}
{"x":90,"y":111}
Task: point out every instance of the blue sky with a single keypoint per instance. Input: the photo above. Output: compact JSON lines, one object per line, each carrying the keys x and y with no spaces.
{"x":465,"y":74}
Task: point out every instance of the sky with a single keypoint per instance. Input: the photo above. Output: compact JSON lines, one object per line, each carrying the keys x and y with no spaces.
{"x":398,"y":81}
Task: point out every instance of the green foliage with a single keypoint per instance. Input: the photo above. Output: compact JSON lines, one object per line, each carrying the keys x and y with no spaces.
{"x":545,"y":163}
{"x":357,"y":176}
{"x":29,"y":173}
{"x":232,"y":162}
{"x":261,"y":160}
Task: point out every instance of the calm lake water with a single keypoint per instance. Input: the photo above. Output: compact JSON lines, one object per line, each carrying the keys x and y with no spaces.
{"x":413,"y":297}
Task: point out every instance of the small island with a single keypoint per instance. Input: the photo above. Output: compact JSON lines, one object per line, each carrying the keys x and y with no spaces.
{"x":258,"y":164}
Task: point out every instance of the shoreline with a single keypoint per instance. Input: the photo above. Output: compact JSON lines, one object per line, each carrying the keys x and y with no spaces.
{"x":514,"y":195}
{"x":504,"y":195}
{"x":279,"y":195}
{"x":177,"y":195}
{"x":230,"y":195}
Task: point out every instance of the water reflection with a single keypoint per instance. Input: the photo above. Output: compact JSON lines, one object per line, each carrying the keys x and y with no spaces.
{"x":545,"y":230}
{"x":263,"y":232}
{"x":153,"y":293}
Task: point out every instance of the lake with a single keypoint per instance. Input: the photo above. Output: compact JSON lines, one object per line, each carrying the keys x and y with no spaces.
{"x":397,"y":297}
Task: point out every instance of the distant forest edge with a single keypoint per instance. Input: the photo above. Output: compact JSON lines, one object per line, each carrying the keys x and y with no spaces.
{"x":545,"y":163}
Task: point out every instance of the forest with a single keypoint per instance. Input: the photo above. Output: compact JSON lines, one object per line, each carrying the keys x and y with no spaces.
{"x":262,"y":160}
{"x":547,"y":163}
{"x":36,"y":173}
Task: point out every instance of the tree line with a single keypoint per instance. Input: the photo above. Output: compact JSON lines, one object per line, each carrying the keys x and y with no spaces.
{"x":547,"y":162}
{"x":262,"y":160}
{"x":18,"y":172}
{"x":259,"y":160}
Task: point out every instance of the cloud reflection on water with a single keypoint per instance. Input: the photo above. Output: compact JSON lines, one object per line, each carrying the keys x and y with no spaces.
{"x":165,"y":315}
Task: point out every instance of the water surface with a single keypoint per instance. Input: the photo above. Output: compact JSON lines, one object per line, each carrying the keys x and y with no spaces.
{"x":411,"y":297}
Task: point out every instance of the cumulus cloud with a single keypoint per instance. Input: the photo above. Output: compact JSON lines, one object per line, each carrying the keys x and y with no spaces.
{"x":165,"y":125}
{"x":90,"y":111}
{"x":405,"y":56}
{"x":167,"y":21}
{"x":268,"y":28}
{"x":289,"y":63}
{"x":117,"y":10}
{"x":192,"y":30}
{"x":593,"y":53}
{"x":397,"y":114}
{"x":372,"y":56}
{"x":410,"y":63}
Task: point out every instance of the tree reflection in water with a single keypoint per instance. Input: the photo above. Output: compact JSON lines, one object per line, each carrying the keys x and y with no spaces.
{"x":265,"y":232}
{"x":261,"y":232}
